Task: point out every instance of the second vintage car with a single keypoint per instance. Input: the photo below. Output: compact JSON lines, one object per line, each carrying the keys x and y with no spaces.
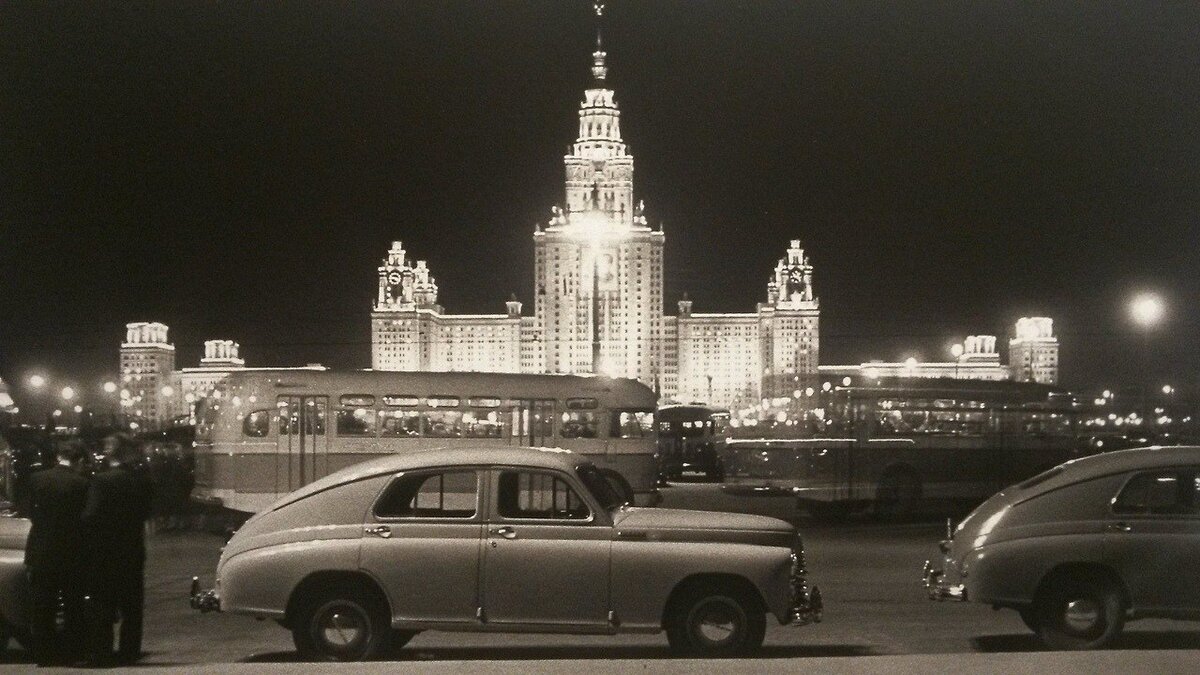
{"x":1084,"y":547}
{"x":504,"y":540}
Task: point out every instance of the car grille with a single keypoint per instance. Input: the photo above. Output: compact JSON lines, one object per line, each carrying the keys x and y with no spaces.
{"x":806,"y":602}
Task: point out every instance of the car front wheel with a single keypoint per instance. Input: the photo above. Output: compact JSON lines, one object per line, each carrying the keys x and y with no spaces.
{"x":1080,"y":614}
{"x":716,"y":622}
{"x":347,"y":625}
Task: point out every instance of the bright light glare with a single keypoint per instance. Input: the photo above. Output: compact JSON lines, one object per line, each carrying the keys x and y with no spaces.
{"x":110,"y":387}
{"x":956,"y":350}
{"x":1147,"y":309}
{"x":68,"y":393}
{"x":37,"y":381}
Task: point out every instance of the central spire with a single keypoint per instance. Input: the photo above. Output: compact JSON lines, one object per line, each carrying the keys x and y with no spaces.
{"x":599,"y":70}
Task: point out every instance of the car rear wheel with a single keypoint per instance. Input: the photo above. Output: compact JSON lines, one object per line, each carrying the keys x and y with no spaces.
{"x":1029,"y":617}
{"x":1074,"y":613}
{"x":343,"y":625}
{"x":716,"y":622}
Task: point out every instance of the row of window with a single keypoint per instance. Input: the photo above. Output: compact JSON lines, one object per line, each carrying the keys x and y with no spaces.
{"x":441,"y":417}
{"x":455,"y":494}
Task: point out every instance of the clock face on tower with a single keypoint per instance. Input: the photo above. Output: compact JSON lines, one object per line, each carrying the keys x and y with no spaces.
{"x":394,"y":278}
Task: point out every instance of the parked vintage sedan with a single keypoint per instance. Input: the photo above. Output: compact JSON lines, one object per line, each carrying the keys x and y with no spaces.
{"x":504,"y":540}
{"x":1084,"y":547}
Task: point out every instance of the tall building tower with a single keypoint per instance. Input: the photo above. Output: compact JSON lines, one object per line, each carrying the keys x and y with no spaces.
{"x":598,"y":273}
{"x":1033,"y":353}
{"x":788,"y":326}
{"x":403,"y":325}
{"x":147,"y":373}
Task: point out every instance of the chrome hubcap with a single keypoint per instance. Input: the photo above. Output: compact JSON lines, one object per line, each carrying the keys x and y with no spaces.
{"x":342,"y":629}
{"x":716,"y":624}
{"x":1082,"y":615}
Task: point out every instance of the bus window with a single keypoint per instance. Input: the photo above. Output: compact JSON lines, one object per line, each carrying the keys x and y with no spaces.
{"x":206,"y":417}
{"x":578,"y":424}
{"x":401,"y":401}
{"x":257,"y":424}
{"x":400,"y":423}
{"x":632,"y":424}
{"x":442,"y":402}
{"x":483,"y":423}
{"x":582,"y":404}
{"x":483,"y":402}
{"x":290,"y":417}
{"x":356,"y":416}
{"x":443,"y":423}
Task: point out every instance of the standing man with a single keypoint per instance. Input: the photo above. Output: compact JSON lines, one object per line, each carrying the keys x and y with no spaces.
{"x":118,"y":504}
{"x":54,"y":556}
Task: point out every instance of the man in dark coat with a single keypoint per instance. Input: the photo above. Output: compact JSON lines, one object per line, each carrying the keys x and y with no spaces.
{"x":53,"y":555}
{"x":118,"y":504}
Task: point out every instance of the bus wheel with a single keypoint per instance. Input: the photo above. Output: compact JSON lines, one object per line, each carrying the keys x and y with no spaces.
{"x":897,"y":496}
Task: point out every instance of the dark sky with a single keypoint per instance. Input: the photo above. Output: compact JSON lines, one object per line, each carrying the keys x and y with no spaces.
{"x":236,"y":170}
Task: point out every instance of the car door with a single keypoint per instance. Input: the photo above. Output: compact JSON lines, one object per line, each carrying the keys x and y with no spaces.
{"x":1152,"y":539}
{"x":422,"y":541}
{"x":546,"y":553}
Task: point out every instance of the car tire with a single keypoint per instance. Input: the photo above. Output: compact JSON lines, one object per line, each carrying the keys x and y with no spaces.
{"x":897,"y":495}
{"x":346,"y":624}
{"x":1029,"y":617}
{"x":716,"y":622}
{"x":1075,"y":613}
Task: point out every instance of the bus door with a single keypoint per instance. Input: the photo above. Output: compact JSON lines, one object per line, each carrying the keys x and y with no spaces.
{"x":533,"y":422}
{"x":302,"y":448}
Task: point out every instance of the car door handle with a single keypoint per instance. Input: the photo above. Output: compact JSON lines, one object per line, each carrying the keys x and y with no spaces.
{"x":506,"y":532}
{"x":379,"y":531}
{"x":1119,"y":527}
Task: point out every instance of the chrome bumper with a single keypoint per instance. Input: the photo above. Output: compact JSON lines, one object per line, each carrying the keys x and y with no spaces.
{"x":204,"y":601}
{"x":808,"y":610}
{"x":937,"y":588}
{"x":806,"y":603}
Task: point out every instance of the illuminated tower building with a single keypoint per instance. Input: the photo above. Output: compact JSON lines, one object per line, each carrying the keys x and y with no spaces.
{"x":147,"y":373}
{"x":598,"y":272}
{"x":1033,"y":353}
{"x":410,"y":332}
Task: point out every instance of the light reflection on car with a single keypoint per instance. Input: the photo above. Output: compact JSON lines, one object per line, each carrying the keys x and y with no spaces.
{"x":513,"y":540}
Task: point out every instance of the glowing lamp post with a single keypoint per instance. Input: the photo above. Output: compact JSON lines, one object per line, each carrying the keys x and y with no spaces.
{"x":1147,"y":311}
{"x":956,"y":350}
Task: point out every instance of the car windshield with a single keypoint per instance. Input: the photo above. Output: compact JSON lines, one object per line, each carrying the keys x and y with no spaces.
{"x":599,"y":486}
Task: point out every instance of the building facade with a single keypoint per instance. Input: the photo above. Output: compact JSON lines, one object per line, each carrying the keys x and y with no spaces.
{"x":147,"y":372}
{"x":1033,"y":352}
{"x":598,"y":296}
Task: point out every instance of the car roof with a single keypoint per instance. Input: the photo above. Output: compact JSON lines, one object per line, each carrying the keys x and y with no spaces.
{"x":525,"y":456}
{"x":1120,"y":461}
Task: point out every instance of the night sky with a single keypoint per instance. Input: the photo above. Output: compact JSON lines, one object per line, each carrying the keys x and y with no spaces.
{"x":237,"y":170}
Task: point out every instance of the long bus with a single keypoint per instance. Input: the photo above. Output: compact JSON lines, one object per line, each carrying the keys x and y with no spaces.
{"x":896,"y":448}
{"x":262,"y":434}
{"x":691,"y":437}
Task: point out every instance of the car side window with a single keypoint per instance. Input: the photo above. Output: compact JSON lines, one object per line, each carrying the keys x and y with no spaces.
{"x":532,"y":494}
{"x":1154,"y":493}
{"x":449,"y":494}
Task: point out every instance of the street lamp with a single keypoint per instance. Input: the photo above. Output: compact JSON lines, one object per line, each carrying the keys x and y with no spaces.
{"x":956,"y":350}
{"x":110,"y":387}
{"x":1147,"y":310}
{"x":67,"y":393}
{"x":37,"y":381}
